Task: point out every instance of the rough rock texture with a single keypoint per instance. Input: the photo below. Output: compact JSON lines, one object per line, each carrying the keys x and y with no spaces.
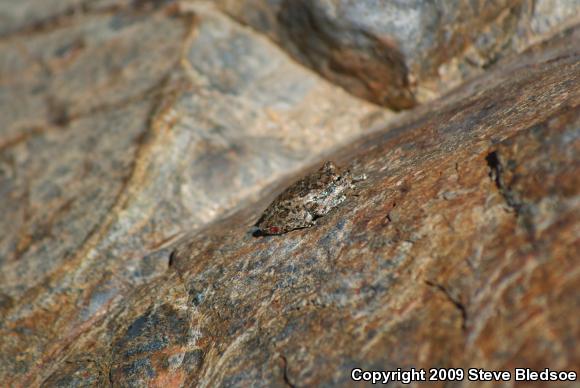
{"x":162,"y":116}
{"x":462,"y":254}
{"x":142,"y":139}
{"x":396,"y":52}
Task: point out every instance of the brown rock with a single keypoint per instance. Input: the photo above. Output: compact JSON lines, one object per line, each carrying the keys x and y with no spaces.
{"x":396,"y":53}
{"x":459,"y":250}
{"x":124,"y":145}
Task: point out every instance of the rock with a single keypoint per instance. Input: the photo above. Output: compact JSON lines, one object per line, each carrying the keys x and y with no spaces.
{"x":135,"y":161}
{"x":397,"y":53}
{"x":442,"y":260}
{"x":25,"y":16}
{"x":122,"y":127}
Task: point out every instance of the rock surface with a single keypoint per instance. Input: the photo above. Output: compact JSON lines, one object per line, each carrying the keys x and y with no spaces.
{"x":143,"y":139}
{"x":394,"y":53}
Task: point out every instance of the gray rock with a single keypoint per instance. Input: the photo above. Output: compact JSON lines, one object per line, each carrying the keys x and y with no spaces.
{"x":140,"y":142}
{"x":395,"y":53}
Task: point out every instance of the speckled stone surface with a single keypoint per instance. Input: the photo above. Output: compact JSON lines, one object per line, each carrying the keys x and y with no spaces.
{"x":125,"y":125}
{"x":460,"y":252}
{"x":143,"y":139}
{"x":395,"y":53}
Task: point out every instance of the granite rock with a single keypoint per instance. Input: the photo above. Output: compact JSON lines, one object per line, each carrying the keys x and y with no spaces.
{"x":124,"y":127}
{"x":398,"y":53}
{"x":143,"y":139}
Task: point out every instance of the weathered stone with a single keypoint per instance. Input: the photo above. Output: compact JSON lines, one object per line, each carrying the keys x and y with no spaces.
{"x":373,"y":48}
{"x":126,"y":251}
{"x":94,"y":99}
{"x":127,"y":143}
{"x":29,"y":15}
{"x":441,"y":261}
{"x":235,"y":130}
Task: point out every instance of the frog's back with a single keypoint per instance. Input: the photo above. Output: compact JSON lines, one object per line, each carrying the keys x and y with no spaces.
{"x":316,"y":181}
{"x":293,"y":208}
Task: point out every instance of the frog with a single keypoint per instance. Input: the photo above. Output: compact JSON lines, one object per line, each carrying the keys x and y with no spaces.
{"x":307,"y":200}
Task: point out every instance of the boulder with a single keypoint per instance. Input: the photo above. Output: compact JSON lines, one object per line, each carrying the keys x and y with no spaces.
{"x":142,"y":140}
{"x":395,"y":53}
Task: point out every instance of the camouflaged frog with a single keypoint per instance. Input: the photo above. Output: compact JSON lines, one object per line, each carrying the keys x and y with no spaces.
{"x":301,"y":204}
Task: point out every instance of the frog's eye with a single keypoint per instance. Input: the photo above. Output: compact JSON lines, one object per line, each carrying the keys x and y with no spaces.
{"x":274,"y":229}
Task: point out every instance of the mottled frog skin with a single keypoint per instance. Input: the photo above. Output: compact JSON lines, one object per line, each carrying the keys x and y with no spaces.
{"x":310,"y":198}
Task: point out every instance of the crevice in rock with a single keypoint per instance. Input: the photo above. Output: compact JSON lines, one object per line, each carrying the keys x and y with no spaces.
{"x":496,"y":174}
{"x":172,"y":258}
{"x":456,"y":302}
{"x":522,"y":210}
{"x":285,"y":372}
{"x":495,"y":169}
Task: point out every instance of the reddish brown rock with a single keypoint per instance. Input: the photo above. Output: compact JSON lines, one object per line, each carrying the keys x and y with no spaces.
{"x":137,"y":264}
{"x":123,"y":144}
{"x":460,"y":252}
